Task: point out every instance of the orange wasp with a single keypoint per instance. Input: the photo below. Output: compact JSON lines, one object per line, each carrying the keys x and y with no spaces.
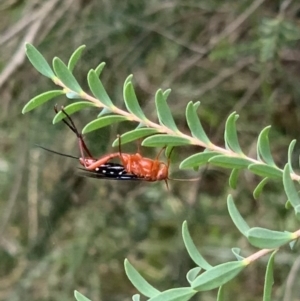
{"x":133,"y":167}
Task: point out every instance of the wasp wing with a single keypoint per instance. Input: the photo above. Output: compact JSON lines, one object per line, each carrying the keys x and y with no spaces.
{"x":109,"y":171}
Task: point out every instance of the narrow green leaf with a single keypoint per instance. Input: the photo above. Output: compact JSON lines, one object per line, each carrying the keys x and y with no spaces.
{"x":236,"y":252}
{"x":98,"y":89}
{"x":99,"y":69}
{"x":289,"y":187}
{"x":136,"y":297}
{"x":166,"y":94}
{"x":134,"y":135}
{"x":128,"y":80}
{"x":162,"y":140}
{"x":80,"y":297}
{"x":194,"y":123}
{"x":196,"y":105}
{"x":169,"y":151}
{"x":73,"y":95}
{"x":75,"y":57}
{"x":140,"y":125}
{"x":237,"y":219}
{"x":163,"y":112}
{"x":220,"y":296}
{"x":102,"y":122}
{"x":132,"y":103}
{"x":268,"y":239}
{"x":139,"y":282}
{"x":195,"y":160}
{"x":218,"y":275}
{"x":229,"y":162}
{"x":258,"y":190}
{"x":104,"y":111}
{"x":269,"y":279}
{"x":175,"y":294}
{"x":288,"y":205}
{"x":290,"y":154}
{"x":192,"y":274}
{"x":263,"y":147}
{"x":293,"y":243}
{"x":230,"y":136}
{"x":65,"y":75}
{"x":38,"y":61}
{"x":71,"y":109}
{"x":40,"y":99}
{"x":264,"y":170}
{"x":297,"y":212}
{"x":233,"y":178}
{"x":192,"y":250}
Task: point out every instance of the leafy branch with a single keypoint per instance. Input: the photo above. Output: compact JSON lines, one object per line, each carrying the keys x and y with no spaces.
{"x":166,"y":133}
{"x":163,"y":133}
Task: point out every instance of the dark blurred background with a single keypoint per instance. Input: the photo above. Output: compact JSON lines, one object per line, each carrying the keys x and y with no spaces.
{"x":60,"y":232}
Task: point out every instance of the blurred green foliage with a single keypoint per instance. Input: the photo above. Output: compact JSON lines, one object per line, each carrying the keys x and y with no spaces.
{"x":60,"y":232}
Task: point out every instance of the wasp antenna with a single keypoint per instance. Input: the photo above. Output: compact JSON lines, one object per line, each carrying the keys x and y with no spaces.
{"x":167,"y":184}
{"x":58,"y":153}
{"x":73,"y":128}
{"x":185,"y":180}
{"x":70,"y":124}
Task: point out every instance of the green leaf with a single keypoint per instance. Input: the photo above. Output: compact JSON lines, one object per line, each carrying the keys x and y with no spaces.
{"x":73,"y":95}
{"x":132,"y":103}
{"x":104,"y":111}
{"x":162,"y":140}
{"x":288,"y":205}
{"x":196,"y":105}
{"x":75,"y":57}
{"x":136,"y":297}
{"x":38,"y":61}
{"x":220,"y":296}
{"x":102,"y":122}
{"x":169,"y":151}
{"x":40,"y":99}
{"x":264,"y":170}
{"x":237,"y":219}
{"x":289,"y":187}
{"x":229,"y":162}
{"x":230,"y":136}
{"x":98,"y":89}
{"x":65,"y":75}
{"x":139,"y":282}
{"x":71,"y":109}
{"x":80,"y":297}
{"x":192,"y":274}
{"x":293,"y":243}
{"x":99,"y":69}
{"x":166,"y":94}
{"x":199,"y":159}
{"x":268,"y":239}
{"x":218,"y":275}
{"x":194,"y":122}
{"x":297,"y":211}
{"x":258,"y":190}
{"x":134,"y":135}
{"x":269,"y":279}
{"x":163,"y":112}
{"x":175,"y":294}
{"x":128,"y":80}
{"x":233,"y":178}
{"x":263,"y":147}
{"x":290,"y":154}
{"x":236,"y":252}
{"x":192,"y":250}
